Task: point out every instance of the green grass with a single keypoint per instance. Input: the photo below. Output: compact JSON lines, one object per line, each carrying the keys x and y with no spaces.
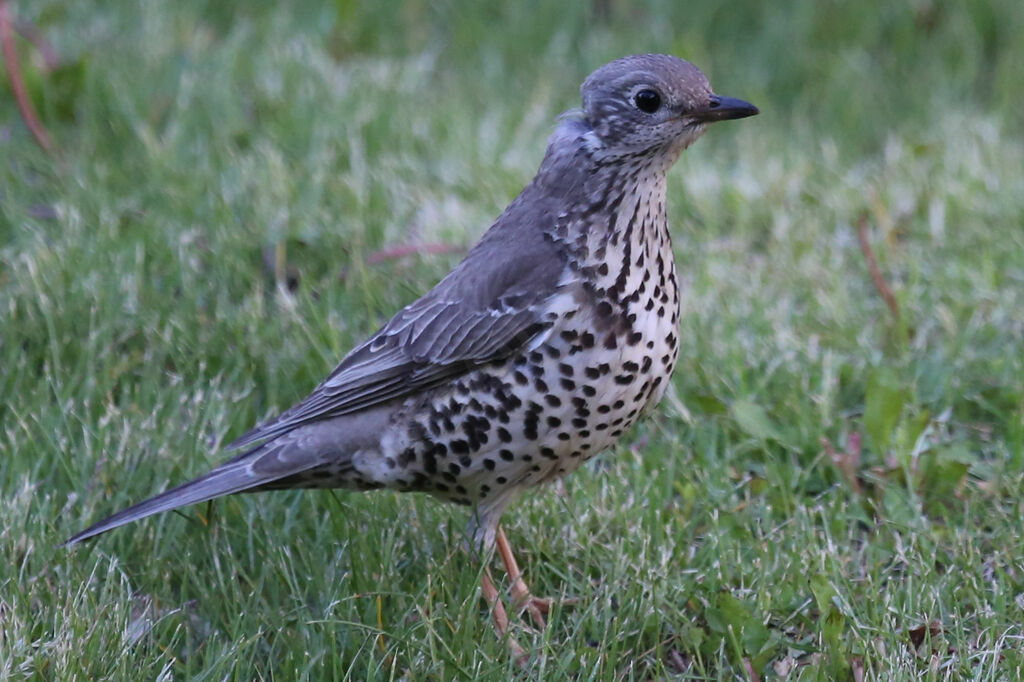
{"x":140,"y":328}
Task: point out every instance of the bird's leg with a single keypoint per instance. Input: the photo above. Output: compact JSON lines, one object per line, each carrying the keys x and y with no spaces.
{"x":490,"y":593}
{"x":521,"y":596}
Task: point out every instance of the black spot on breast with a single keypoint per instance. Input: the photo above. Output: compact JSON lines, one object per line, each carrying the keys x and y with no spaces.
{"x":406,"y":457}
{"x":429,"y":463}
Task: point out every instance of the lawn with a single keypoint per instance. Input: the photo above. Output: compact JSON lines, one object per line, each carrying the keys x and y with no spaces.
{"x":832,"y":489}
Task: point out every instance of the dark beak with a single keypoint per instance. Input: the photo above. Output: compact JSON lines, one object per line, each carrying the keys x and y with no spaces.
{"x":724,"y":108}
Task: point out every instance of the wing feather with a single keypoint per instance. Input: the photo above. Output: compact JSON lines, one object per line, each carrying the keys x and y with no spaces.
{"x":393,"y":364}
{"x":490,"y":306}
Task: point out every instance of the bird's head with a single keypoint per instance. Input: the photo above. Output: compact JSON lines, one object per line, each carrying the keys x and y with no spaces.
{"x":652,"y":103}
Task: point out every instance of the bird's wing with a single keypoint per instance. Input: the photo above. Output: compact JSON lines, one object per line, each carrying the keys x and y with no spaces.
{"x":485,"y":310}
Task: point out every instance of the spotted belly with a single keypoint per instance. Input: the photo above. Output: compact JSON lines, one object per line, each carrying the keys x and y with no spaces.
{"x":529,"y":419}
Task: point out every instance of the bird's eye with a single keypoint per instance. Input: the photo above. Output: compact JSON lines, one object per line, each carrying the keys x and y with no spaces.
{"x":647,"y":101}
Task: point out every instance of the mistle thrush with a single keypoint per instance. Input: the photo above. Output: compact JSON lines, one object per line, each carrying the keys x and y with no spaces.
{"x":554,"y":335}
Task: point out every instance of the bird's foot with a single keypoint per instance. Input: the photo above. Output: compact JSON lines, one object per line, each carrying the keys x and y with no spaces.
{"x":539,"y":607}
{"x":522,"y":599}
{"x":500,"y":616}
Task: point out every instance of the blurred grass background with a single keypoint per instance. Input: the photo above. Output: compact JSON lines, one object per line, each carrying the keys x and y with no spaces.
{"x":829,"y":492}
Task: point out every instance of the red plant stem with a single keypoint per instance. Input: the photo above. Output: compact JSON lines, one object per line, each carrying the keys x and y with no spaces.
{"x":25,"y":108}
{"x":876,"y":273}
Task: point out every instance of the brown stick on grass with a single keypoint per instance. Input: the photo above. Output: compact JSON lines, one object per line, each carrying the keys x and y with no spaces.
{"x":876,"y":274}
{"x":13,"y":67}
{"x":396,"y":252}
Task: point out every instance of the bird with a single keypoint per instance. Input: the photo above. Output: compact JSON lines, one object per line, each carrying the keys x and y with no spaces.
{"x":555,"y":334}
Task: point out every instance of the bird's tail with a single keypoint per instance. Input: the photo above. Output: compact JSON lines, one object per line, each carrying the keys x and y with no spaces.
{"x":245,"y":472}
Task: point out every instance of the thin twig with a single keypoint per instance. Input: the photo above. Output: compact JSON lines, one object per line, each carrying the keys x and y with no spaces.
{"x":876,"y":273}
{"x":25,"y":108}
{"x":395,"y":252}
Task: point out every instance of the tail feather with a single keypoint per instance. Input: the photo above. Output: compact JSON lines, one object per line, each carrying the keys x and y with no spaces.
{"x":234,"y":476}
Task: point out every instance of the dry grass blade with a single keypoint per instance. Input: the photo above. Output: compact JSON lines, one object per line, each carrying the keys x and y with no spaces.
{"x":876,"y":273}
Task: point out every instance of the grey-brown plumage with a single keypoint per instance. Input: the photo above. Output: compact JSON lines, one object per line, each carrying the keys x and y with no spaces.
{"x":539,"y":350}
